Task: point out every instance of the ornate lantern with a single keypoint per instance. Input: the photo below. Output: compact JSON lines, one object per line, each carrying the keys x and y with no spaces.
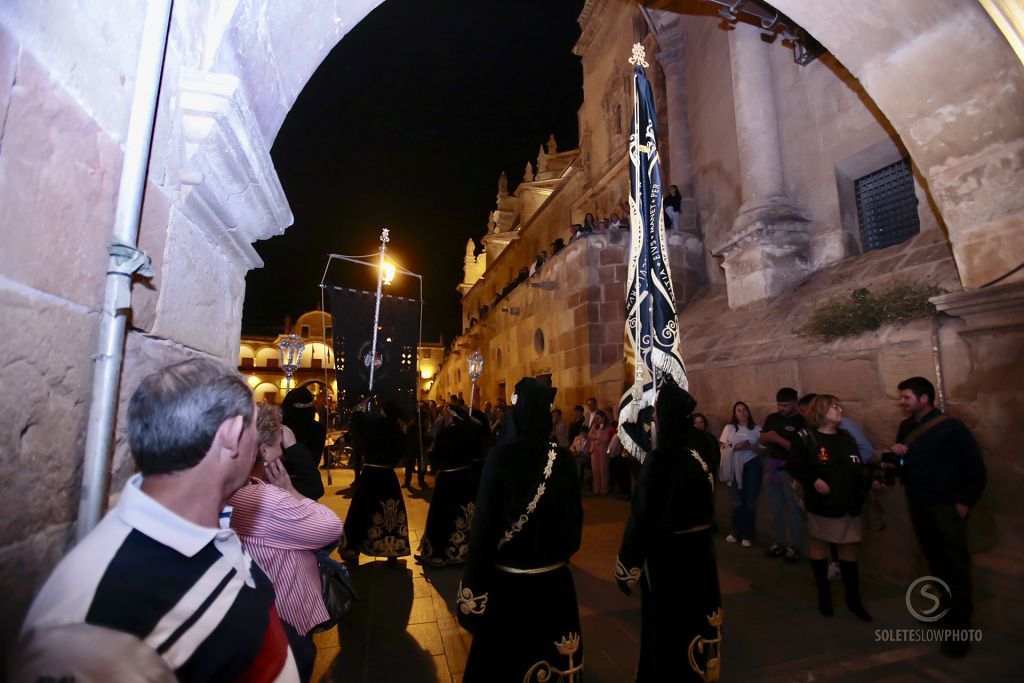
{"x":476,"y":368}
{"x":291,"y":355}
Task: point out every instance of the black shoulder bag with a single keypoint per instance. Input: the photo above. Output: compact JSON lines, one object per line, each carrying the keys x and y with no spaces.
{"x":336,"y":586}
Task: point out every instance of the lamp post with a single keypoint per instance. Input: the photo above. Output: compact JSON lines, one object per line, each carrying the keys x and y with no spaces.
{"x":291,"y":356}
{"x":476,"y":368}
{"x":384,"y":239}
{"x":386,"y":272}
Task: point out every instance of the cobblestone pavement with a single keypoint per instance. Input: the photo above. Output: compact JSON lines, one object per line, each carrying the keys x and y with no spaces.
{"x":404,"y":628}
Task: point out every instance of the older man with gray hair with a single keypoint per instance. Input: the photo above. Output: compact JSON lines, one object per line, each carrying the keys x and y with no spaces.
{"x":163,"y":566}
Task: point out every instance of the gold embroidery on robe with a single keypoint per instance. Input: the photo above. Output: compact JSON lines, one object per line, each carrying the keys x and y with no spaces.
{"x":712,"y":657}
{"x":469,"y":603}
{"x":711,"y":477}
{"x":459,"y":539}
{"x":518,"y":525}
{"x":629,"y":576}
{"x":543,"y":671}
{"x":388,"y":535}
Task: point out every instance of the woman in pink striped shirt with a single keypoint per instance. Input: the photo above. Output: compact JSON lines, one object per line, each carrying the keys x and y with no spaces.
{"x":281,"y":528}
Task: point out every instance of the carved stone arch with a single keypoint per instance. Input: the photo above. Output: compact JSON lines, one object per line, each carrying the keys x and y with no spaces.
{"x":947,"y":81}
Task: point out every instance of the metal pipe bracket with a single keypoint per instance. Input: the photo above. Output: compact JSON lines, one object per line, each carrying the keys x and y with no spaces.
{"x":127,"y":260}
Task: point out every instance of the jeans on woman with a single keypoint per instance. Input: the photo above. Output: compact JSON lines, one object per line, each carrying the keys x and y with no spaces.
{"x":744,"y":500}
{"x":784,"y":509}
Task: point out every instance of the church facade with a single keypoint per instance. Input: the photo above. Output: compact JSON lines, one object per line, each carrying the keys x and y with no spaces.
{"x":798,"y":193}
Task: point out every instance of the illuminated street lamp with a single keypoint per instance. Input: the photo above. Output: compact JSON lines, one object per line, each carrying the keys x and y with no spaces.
{"x":389,"y":273}
{"x":476,"y":368}
{"x":291,"y":356}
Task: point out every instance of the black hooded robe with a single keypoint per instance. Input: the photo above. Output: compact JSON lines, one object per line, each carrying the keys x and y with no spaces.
{"x":667,"y":549}
{"x":446,"y":535}
{"x":376,"y":523}
{"x":302,"y":460}
{"x":517,"y":595}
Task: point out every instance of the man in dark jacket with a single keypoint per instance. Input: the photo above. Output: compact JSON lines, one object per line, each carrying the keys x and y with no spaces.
{"x":943,"y":475}
{"x":578,"y":424}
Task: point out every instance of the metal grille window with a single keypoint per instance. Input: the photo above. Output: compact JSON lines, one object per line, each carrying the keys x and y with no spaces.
{"x":887,"y":206}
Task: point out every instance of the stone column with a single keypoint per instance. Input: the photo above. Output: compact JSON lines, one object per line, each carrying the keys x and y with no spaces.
{"x":680,"y":160}
{"x":766,"y":250}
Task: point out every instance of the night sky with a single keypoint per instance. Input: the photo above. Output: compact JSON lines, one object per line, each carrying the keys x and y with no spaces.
{"x":407,"y":125}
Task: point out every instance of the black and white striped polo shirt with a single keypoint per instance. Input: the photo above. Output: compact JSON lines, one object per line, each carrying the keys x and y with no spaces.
{"x":189,"y":592}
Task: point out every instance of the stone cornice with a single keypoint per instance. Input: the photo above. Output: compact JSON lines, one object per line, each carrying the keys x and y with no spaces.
{"x":229,"y":186}
{"x":988,"y":308}
{"x":759,"y":219}
{"x":661,"y":21}
{"x":670,"y":55}
{"x":591,"y":20}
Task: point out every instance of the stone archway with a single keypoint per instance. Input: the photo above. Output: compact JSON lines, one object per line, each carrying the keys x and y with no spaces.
{"x":953,"y":89}
{"x":951,"y":86}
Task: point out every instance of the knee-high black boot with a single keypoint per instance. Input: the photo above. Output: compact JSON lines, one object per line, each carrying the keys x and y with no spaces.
{"x":820,"y":569}
{"x":851,"y":582}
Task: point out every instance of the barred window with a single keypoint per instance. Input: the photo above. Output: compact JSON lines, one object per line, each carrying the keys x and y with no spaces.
{"x":887,"y":206}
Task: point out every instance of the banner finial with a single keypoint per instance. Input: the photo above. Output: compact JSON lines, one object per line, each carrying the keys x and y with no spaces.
{"x":639,"y":56}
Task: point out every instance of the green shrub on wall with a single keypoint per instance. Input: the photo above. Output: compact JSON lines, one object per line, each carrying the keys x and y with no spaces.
{"x":865,"y":310}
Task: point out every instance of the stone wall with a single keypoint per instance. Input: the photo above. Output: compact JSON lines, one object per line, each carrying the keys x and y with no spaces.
{"x":577,"y":304}
{"x":67,"y":79}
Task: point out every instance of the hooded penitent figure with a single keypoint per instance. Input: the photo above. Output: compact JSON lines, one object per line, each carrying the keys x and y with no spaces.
{"x":376,"y":523}
{"x":517,"y":596}
{"x":446,"y":536}
{"x":299,"y":415}
{"x":667,"y":549}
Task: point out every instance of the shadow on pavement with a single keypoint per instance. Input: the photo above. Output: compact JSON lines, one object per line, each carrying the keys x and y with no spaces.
{"x":374,"y":642}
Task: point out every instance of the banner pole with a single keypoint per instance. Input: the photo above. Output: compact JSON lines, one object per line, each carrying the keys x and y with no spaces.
{"x":638,"y":375}
{"x":327,"y":354}
{"x":384,"y":239}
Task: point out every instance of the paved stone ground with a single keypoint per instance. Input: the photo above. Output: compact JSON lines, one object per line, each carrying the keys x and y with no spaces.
{"x":404,"y":628}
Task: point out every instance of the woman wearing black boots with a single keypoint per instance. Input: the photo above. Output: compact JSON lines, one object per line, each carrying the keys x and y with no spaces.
{"x":826,"y":462}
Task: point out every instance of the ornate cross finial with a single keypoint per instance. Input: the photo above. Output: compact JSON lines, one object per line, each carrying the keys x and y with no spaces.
{"x":639,"y":56}
{"x":384,"y":235}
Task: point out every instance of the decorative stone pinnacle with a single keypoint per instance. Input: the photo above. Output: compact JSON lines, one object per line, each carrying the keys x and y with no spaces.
{"x":384,"y":235}
{"x":639,"y":56}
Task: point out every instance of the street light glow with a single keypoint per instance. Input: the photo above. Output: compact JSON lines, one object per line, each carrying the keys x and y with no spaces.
{"x":389,"y":272}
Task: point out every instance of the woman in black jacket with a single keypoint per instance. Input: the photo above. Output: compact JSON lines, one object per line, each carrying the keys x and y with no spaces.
{"x":825,"y":460}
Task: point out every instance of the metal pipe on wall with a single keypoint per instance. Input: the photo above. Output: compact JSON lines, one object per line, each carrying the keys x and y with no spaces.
{"x":940,"y":375}
{"x":124,"y":261}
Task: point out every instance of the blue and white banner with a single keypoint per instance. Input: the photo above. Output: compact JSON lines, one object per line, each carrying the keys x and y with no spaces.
{"x":651,"y":322}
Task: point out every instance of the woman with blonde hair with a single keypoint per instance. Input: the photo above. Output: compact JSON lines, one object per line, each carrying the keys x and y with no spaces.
{"x":825,"y":459}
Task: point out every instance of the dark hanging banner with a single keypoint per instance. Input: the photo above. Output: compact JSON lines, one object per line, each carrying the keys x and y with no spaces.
{"x":397,"y":337}
{"x":651,"y":321}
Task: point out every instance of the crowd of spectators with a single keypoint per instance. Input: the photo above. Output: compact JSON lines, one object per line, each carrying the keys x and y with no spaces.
{"x":216,"y":539}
